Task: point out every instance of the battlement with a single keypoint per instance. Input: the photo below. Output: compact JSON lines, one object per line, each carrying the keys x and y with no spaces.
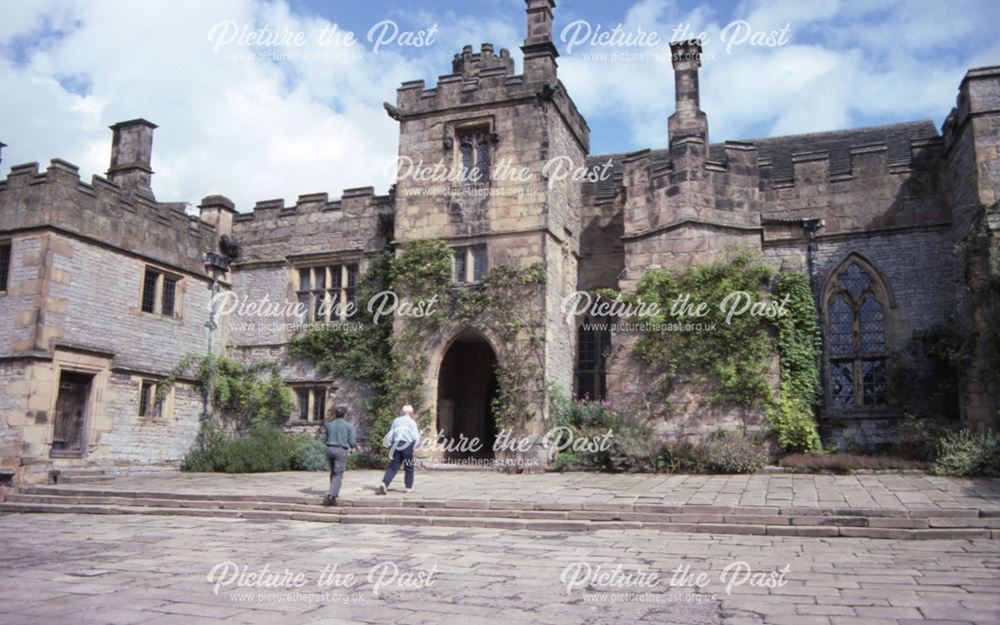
{"x":485,"y":78}
{"x":469,"y":64}
{"x":359,"y":221}
{"x":352,"y":202}
{"x":104,"y":211}
{"x":857,"y":162}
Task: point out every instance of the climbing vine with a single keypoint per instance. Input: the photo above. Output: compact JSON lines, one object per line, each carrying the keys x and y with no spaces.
{"x":241,"y":395}
{"x":729,"y":352}
{"x":392,"y":357}
{"x":506,"y":306}
{"x":360,"y":350}
{"x":799,"y":347}
{"x":981,"y":255}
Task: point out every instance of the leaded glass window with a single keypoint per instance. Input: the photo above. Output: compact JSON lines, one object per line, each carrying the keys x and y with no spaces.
{"x":474,"y":155}
{"x":325,"y":291}
{"x":856,"y":344}
{"x":469,"y":264}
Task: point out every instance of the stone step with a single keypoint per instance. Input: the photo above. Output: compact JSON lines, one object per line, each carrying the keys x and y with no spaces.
{"x":80,"y":479}
{"x":891,"y":518}
{"x":444,"y":517}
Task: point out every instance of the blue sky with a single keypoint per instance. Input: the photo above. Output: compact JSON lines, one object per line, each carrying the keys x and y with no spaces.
{"x":254,"y":128}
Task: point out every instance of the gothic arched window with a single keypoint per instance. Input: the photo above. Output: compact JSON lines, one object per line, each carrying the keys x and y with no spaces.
{"x":856,"y":337}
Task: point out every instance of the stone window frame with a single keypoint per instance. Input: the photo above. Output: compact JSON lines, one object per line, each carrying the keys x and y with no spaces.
{"x":883,"y":293}
{"x":455,"y":131}
{"x":163,"y":410}
{"x":6,"y":261}
{"x":163,"y":276}
{"x":311,"y":391}
{"x":468,"y":253}
{"x":346,"y":291}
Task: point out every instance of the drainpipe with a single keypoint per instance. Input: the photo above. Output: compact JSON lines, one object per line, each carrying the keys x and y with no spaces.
{"x":218,"y":264}
{"x":811,"y":226}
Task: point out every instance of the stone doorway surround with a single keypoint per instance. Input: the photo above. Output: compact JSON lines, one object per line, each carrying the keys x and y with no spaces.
{"x":467,"y":385}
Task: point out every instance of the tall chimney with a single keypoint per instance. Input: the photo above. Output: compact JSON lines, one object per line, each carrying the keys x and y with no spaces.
{"x":2,"y":146}
{"x":539,"y":51}
{"x":688,"y":119}
{"x":131,"y":153}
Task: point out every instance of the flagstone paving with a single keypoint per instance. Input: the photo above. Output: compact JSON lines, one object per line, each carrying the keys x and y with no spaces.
{"x":70,"y":568}
{"x":908,"y":491}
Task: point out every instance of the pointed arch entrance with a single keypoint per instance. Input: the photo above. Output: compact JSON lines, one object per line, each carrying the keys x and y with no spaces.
{"x":467,"y":386}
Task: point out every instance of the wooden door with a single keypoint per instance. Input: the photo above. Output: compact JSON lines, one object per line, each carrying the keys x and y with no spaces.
{"x":71,"y":412}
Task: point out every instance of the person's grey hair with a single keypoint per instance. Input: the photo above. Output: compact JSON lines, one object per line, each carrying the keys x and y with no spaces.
{"x":408,"y":410}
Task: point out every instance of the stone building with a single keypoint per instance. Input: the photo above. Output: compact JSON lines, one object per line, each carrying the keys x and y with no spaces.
{"x":103,"y":288}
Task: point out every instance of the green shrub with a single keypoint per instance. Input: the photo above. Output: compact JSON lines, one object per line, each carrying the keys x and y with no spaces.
{"x":566,"y":461}
{"x":681,"y":456}
{"x":199,"y":461}
{"x":793,"y":423}
{"x":309,"y":454}
{"x":631,"y":447}
{"x":366,"y":460}
{"x":734,"y":453}
{"x":578,"y":413}
{"x":919,"y":437}
{"x":968,"y":454}
{"x":262,"y":449}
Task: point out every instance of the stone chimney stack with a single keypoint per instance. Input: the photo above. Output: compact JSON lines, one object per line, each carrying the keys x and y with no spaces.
{"x":2,"y":146}
{"x":539,"y":51}
{"x":688,"y":119}
{"x":131,"y":154}
{"x":219,"y":211}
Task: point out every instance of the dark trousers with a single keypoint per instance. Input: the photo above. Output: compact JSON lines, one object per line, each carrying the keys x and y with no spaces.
{"x":402,"y":457}
{"x":337,"y":457}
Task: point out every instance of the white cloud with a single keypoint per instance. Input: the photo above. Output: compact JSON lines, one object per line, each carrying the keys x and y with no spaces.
{"x":847,"y":64}
{"x":257,"y":130}
{"x":251,"y":130}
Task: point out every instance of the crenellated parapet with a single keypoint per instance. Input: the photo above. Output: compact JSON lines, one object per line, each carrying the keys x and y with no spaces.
{"x":493,"y":87}
{"x":357,"y":222}
{"x":469,"y":64}
{"x":486,"y":80}
{"x":855,"y":184}
{"x":105,"y":212}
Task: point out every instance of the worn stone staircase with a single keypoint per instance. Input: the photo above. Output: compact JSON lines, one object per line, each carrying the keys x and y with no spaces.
{"x":79,"y":476}
{"x":522,"y":515}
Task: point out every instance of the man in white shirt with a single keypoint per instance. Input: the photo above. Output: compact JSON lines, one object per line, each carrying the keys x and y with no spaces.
{"x":403,"y":436}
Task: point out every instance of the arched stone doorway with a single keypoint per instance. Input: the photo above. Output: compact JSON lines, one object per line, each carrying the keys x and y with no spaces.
{"x":467,"y":385}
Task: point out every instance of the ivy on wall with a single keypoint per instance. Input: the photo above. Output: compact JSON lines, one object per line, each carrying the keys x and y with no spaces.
{"x":733,"y":355}
{"x":981,"y":255}
{"x":799,"y":347}
{"x":506,"y":306}
{"x":393,"y":359}
{"x":731,"y":352}
{"x":242,"y":396}
{"x":360,"y":351}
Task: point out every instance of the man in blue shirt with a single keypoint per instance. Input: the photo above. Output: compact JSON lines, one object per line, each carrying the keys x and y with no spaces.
{"x":339,"y":437}
{"x":403,"y":436}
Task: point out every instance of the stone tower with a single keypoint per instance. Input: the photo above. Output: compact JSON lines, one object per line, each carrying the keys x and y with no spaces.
{"x":507,"y":143}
